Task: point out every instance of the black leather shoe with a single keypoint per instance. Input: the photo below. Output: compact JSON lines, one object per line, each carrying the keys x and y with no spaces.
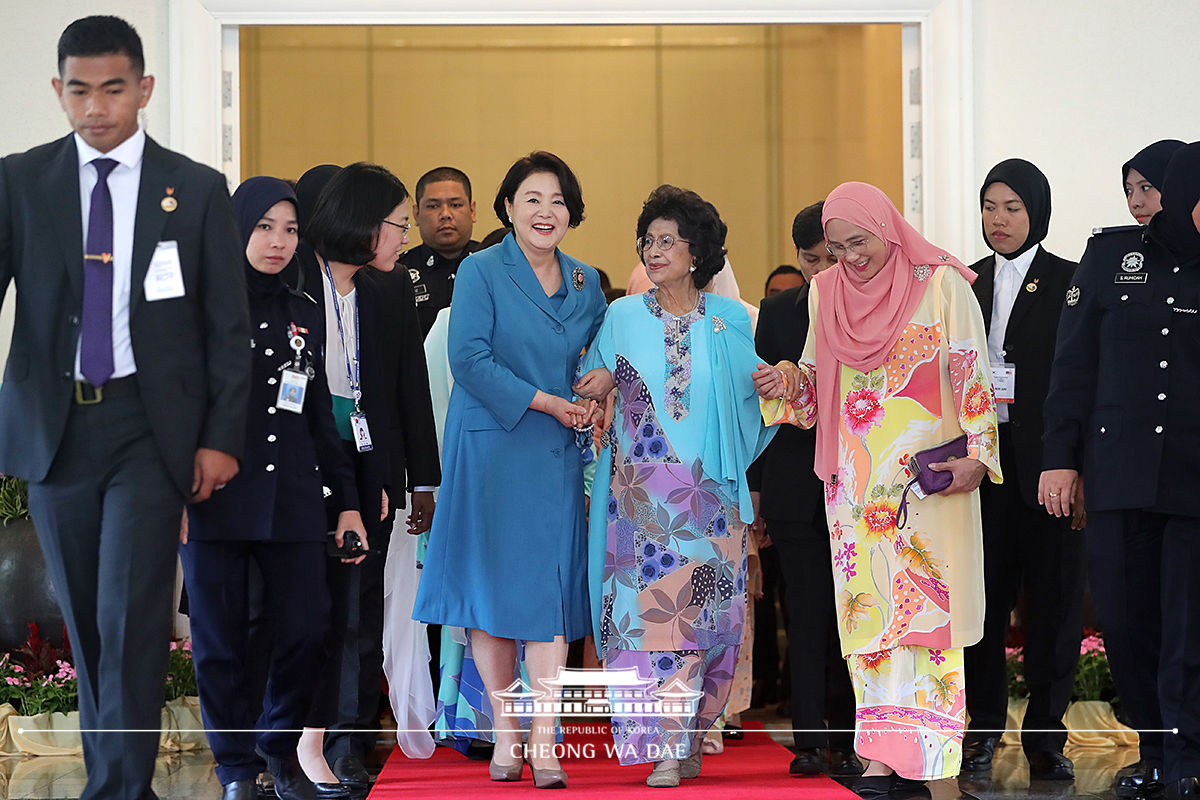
{"x":844,"y":764}
{"x":872,"y":785}
{"x":332,"y":791}
{"x":1049,"y":765}
{"x":734,"y":732}
{"x":1183,"y":789}
{"x":245,"y":789}
{"x":351,"y":772}
{"x":290,"y":781}
{"x":807,"y":762}
{"x":977,"y":754}
{"x":1139,"y":780}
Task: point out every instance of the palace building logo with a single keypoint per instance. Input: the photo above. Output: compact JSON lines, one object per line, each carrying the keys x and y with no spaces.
{"x":598,"y":693}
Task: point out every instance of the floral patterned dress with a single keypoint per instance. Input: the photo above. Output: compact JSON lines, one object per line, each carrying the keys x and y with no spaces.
{"x":908,"y":598}
{"x":667,"y":539}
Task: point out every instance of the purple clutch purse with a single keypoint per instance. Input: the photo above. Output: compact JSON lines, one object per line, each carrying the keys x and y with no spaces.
{"x":930,"y":481}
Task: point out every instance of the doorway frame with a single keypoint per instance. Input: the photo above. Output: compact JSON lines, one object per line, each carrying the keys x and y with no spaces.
{"x":203,"y":76}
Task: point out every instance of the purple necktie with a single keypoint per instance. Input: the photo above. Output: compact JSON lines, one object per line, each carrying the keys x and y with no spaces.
{"x":95,"y":342}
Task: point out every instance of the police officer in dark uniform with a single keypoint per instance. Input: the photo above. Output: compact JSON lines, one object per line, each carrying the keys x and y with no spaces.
{"x":1020,"y":291}
{"x":445,"y":215}
{"x":1122,"y":410}
{"x":271,"y":513}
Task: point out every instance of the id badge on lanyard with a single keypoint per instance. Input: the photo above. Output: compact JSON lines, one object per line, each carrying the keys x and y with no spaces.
{"x":293,"y":380}
{"x":358,"y":420}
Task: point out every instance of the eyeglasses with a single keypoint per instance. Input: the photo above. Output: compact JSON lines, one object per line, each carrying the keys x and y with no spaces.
{"x":858,"y":246}
{"x":406,"y":228}
{"x":664,"y":243}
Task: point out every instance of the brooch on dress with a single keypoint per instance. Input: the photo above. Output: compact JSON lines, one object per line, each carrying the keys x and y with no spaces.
{"x":718,"y":324}
{"x":577,"y":278}
{"x":922,"y":272}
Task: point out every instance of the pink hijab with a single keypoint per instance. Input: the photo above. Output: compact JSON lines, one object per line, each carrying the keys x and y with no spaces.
{"x":859,"y":321}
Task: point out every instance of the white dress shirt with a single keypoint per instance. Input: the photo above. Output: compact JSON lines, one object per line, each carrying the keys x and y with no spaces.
{"x":1009,"y":278}
{"x":123,"y":184}
{"x":337,"y":348}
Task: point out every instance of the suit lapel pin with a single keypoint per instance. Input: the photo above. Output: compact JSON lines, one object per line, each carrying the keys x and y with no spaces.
{"x":577,"y":278}
{"x":169,"y":203}
{"x":1032,"y":285}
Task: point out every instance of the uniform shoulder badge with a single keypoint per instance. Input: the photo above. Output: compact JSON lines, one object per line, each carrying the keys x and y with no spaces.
{"x":1073,"y":296}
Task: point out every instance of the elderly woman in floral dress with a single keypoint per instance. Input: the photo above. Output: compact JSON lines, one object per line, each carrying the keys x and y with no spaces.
{"x":896,"y":363}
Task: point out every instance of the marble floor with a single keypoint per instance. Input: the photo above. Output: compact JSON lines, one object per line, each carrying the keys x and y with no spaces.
{"x":189,"y":776}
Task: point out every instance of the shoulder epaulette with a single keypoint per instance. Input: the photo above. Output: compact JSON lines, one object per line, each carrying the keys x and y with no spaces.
{"x":1117,"y":229}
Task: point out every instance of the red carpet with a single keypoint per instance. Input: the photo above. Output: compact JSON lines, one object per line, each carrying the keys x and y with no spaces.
{"x":755,"y":767}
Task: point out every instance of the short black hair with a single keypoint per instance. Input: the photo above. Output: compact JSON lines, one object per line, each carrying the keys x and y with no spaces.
{"x":540,"y":161}
{"x":698,"y":222}
{"x":782,"y":269}
{"x":806,"y":227}
{"x":442,"y":174}
{"x":101,"y":36}
{"x":495,"y":237}
{"x":352,"y":206}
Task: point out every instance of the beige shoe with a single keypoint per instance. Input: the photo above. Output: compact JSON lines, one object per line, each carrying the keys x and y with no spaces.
{"x":505,"y":772}
{"x":663,"y":776}
{"x":690,"y":766}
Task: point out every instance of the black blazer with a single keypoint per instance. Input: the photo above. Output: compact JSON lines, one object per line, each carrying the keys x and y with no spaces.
{"x":277,"y":494}
{"x":784,"y":472}
{"x":408,"y":411}
{"x":193,"y":366}
{"x":372,"y":467}
{"x":1028,"y":345}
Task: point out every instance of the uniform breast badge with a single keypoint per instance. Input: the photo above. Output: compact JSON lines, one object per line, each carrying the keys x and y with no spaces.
{"x":1132,"y":262}
{"x":1073,"y":296}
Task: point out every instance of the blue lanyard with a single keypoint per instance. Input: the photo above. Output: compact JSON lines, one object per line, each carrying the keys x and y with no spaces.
{"x":351,"y":376}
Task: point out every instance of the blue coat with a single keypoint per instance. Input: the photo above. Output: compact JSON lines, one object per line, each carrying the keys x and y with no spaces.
{"x":507,"y":551}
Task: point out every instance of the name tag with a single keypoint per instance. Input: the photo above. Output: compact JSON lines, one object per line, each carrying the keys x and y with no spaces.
{"x":164,"y":278}
{"x":1004,"y":382}
{"x":1138,"y":277}
{"x":292,"y":386}
{"x":362,"y":434}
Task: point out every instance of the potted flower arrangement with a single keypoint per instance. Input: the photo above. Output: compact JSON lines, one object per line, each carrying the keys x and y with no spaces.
{"x":25,"y":591}
{"x":1090,"y":719}
{"x":39,"y":698}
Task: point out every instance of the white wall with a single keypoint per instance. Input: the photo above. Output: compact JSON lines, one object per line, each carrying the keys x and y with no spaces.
{"x":1077,"y":87}
{"x":1067,"y":84}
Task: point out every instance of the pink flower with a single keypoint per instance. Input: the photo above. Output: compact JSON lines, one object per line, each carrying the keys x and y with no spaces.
{"x":187,"y":645}
{"x":174,"y":645}
{"x":862,"y":410}
{"x":12,"y":681}
{"x":17,"y":668}
{"x":936,"y":656}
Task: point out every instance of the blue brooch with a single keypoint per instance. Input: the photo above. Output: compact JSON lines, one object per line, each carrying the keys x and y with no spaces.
{"x":577,"y":279}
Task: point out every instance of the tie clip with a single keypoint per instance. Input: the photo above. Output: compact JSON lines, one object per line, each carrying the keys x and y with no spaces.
{"x":103,"y":257}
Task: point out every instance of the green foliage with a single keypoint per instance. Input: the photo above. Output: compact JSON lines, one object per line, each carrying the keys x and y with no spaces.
{"x":181,"y":672}
{"x":14,"y":499}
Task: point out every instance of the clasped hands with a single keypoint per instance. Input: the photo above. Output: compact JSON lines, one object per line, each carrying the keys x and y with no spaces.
{"x":782,"y":381}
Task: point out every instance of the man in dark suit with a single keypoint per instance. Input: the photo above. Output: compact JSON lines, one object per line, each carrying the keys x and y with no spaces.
{"x":1020,"y":291}
{"x":124,"y":392}
{"x":792,"y":509}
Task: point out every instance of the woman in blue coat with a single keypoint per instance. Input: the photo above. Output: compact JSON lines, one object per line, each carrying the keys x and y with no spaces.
{"x":507,"y":556}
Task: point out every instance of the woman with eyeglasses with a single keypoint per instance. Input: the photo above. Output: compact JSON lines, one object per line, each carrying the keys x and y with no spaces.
{"x":895,"y":364}
{"x":506,"y":557}
{"x":670,"y":505}
{"x":360,"y":220}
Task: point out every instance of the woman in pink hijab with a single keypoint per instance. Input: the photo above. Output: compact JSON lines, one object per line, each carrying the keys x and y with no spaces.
{"x":896,"y":363}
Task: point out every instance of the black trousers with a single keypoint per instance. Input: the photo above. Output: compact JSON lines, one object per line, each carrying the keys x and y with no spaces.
{"x":821,"y":687}
{"x":1125,"y":559}
{"x":347,"y":702}
{"x":108,"y":516}
{"x":297,"y":605}
{"x":1026,"y":550}
{"x":1179,"y":668}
